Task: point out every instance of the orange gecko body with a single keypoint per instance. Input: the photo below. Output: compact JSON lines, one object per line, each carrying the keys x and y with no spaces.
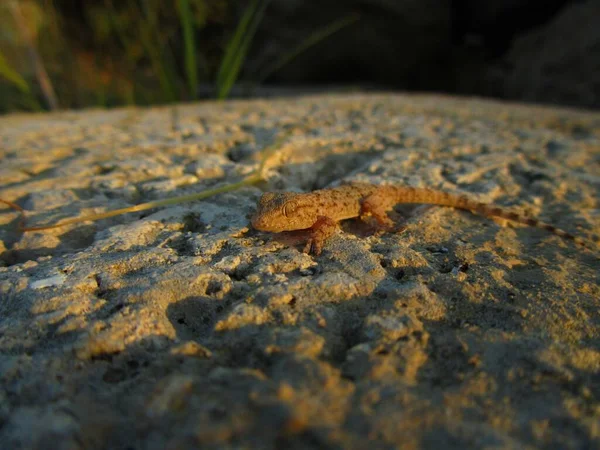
{"x":319,"y":211}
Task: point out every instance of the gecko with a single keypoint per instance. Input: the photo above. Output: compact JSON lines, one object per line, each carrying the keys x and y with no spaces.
{"x":320,"y":211}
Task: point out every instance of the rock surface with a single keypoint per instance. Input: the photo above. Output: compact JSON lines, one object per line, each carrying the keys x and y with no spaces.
{"x":183,"y":328}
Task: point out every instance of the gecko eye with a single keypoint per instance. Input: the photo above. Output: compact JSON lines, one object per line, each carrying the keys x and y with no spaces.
{"x":289,"y":208}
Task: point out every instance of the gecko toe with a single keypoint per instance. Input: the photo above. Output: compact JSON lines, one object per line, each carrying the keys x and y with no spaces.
{"x":307,"y":247}
{"x":313,"y":246}
{"x":401,"y":229}
{"x":317,"y":248}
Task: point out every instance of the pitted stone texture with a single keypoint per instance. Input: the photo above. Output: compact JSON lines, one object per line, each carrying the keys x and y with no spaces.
{"x":184,"y":328}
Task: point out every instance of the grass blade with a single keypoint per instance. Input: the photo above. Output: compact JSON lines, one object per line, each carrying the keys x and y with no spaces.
{"x":128,"y":46}
{"x":146,"y":31}
{"x":187,"y":26}
{"x":311,"y":40}
{"x":235,"y":41}
{"x":238,"y":47}
{"x":256,"y":176}
{"x":40,"y":69}
{"x":7,"y":72}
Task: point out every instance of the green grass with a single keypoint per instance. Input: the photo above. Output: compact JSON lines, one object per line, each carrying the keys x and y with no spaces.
{"x":12,"y":76}
{"x":133,"y":52}
{"x":238,"y":46}
{"x":187,"y":26}
{"x":151,"y":40}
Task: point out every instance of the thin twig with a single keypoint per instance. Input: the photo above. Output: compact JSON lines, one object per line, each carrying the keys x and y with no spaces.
{"x":255,"y":177}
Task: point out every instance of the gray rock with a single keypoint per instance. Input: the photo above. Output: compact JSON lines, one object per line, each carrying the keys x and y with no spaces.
{"x":558,"y":62}
{"x":182,"y":327}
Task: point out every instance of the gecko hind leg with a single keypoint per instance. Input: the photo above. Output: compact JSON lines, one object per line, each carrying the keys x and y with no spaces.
{"x":376,"y":207}
{"x":321,"y":230}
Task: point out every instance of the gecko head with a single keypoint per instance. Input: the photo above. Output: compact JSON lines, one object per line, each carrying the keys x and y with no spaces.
{"x":282,"y":211}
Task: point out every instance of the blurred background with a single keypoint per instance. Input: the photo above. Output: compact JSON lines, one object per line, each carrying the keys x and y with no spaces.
{"x":104,"y":53}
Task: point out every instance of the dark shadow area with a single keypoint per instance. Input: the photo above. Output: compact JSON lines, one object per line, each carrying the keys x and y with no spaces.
{"x":542,"y":51}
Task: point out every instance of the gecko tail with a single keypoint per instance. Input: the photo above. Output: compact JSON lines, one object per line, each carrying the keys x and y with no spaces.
{"x":494,"y":211}
{"x":417,"y":195}
{"x":484,"y":209}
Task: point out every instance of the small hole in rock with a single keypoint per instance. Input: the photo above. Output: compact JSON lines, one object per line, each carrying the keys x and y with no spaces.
{"x":213,"y":287}
{"x":113,"y":375}
{"x":116,"y":308}
{"x":192,"y":223}
{"x":133,"y":364}
{"x":446,"y":268}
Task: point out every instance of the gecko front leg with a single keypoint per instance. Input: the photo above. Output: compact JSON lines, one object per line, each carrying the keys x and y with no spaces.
{"x":376,"y":206}
{"x":320,"y":231}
